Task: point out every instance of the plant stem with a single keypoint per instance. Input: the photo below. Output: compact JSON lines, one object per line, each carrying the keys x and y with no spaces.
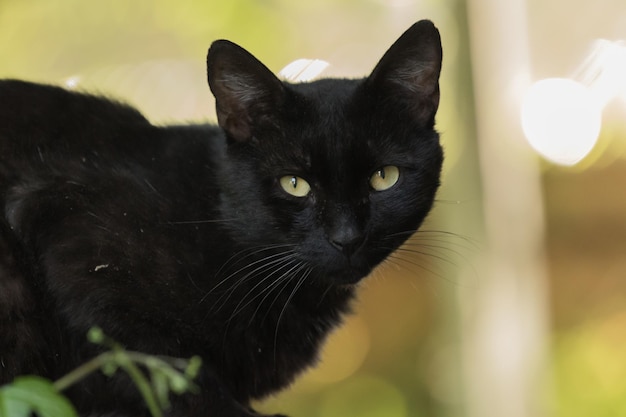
{"x":127,"y":361}
{"x":82,"y":371}
{"x":143,"y":385}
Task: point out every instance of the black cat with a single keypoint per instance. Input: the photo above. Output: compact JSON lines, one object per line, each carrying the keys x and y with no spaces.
{"x":242,"y":243}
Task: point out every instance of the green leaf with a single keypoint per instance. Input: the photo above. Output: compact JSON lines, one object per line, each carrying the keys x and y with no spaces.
{"x":109,"y":368}
{"x":193,"y":367}
{"x":178,"y":384}
{"x":96,"y":335}
{"x":33,"y":394}
{"x":11,"y":408}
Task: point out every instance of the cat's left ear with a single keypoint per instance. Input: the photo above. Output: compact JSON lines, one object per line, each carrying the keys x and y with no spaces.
{"x":408,"y":73}
{"x":247,"y":93}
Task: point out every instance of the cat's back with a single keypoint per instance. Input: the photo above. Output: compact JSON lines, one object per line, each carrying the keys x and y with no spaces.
{"x":85,"y":183}
{"x":24,"y":103}
{"x":45,"y":128}
{"x":34,"y":117}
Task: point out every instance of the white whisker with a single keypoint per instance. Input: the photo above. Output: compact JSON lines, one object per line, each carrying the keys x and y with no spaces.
{"x":200,"y":221}
{"x":264,"y":266}
{"x":240,"y":259}
{"x":293,"y":292}
{"x":394,"y":257}
{"x":284,"y":278}
{"x":283,"y":263}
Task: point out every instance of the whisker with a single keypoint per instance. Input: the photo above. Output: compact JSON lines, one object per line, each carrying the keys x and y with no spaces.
{"x":263,"y":267}
{"x":330,"y":287}
{"x":454,"y":202}
{"x":407,"y":264}
{"x":254,"y":252}
{"x":437,"y":233}
{"x":440,"y":245}
{"x":439,"y":251}
{"x":284,"y":278}
{"x":473,"y":241}
{"x":251,"y":252}
{"x":301,"y":266}
{"x":200,"y":221}
{"x":286,"y":262}
{"x":293,"y":292}
{"x":425,"y":253}
{"x":396,"y":257}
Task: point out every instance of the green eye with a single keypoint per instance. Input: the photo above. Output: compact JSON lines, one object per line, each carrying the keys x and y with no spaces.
{"x":385,"y":178}
{"x":296,"y":186}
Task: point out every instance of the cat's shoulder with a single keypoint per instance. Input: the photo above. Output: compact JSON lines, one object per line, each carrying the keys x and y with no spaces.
{"x":32,"y":102}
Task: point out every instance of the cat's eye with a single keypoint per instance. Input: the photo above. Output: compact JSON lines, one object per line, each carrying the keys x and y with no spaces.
{"x":384,"y":178}
{"x":296,"y":186}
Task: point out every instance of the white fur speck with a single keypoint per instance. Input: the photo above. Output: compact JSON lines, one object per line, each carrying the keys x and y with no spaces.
{"x":99,"y":267}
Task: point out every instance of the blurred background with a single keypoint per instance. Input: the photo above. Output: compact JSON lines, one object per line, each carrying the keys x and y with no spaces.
{"x":512,"y":300}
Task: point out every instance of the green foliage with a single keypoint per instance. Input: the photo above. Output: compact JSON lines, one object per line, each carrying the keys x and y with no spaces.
{"x":155,"y":378}
{"x":32,"y":394}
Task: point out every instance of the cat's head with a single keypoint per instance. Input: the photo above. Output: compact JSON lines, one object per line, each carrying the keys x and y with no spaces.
{"x":326,"y":179}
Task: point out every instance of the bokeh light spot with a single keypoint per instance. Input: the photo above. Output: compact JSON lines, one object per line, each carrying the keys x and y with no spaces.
{"x":365,"y":396}
{"x":561,"y":120}
{"x":303,"y":70}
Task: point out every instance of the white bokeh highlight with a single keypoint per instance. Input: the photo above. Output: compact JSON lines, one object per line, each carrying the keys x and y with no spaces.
{"x":562,"y":117}
{"x":303,"y":70}
{"x":561,"y":120}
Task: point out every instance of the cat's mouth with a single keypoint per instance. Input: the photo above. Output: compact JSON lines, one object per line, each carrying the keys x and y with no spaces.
{"x":348,"y":276}
{"x":338,"y":269}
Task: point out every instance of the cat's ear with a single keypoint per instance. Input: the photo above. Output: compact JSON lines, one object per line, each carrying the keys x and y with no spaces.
{"x":246,"y":92}
{"x":408,"y":73}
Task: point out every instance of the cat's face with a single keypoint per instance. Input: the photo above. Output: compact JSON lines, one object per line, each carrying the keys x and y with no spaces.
{"x":328,"y":178}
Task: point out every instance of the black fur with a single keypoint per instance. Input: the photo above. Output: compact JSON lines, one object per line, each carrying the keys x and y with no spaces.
{"x":180,"y":240}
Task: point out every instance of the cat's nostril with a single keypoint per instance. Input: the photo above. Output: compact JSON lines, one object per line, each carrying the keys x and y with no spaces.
{"x":345,"y":231}
{"x":347,"y":243}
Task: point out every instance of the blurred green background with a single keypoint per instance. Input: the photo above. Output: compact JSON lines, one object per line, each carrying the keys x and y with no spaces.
{"x":515,"y":304}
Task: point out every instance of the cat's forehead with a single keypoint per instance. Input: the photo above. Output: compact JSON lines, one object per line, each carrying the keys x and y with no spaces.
{"x":331,"y":132}
{"x":327,"y":136}
{"x":328,"y":93}
{"x":328,"y":107}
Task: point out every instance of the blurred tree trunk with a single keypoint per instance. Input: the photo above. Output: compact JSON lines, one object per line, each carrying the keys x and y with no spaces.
{"x":503,"y":318}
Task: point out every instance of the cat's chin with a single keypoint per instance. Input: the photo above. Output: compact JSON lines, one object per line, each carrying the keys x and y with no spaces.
{"x":347,"y":277}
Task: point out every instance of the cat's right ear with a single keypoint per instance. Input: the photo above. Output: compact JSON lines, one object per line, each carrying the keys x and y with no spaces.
{"x":246,"y":92}
{"x":408,"y":73}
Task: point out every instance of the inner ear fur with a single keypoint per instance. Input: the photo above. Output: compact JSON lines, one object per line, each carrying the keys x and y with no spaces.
{"x":246,"y":91}
{"x":408,"y":73}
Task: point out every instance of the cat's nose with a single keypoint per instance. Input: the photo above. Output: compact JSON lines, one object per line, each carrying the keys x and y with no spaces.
{"x":345,"y":228}
{"x":347,"y":239}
